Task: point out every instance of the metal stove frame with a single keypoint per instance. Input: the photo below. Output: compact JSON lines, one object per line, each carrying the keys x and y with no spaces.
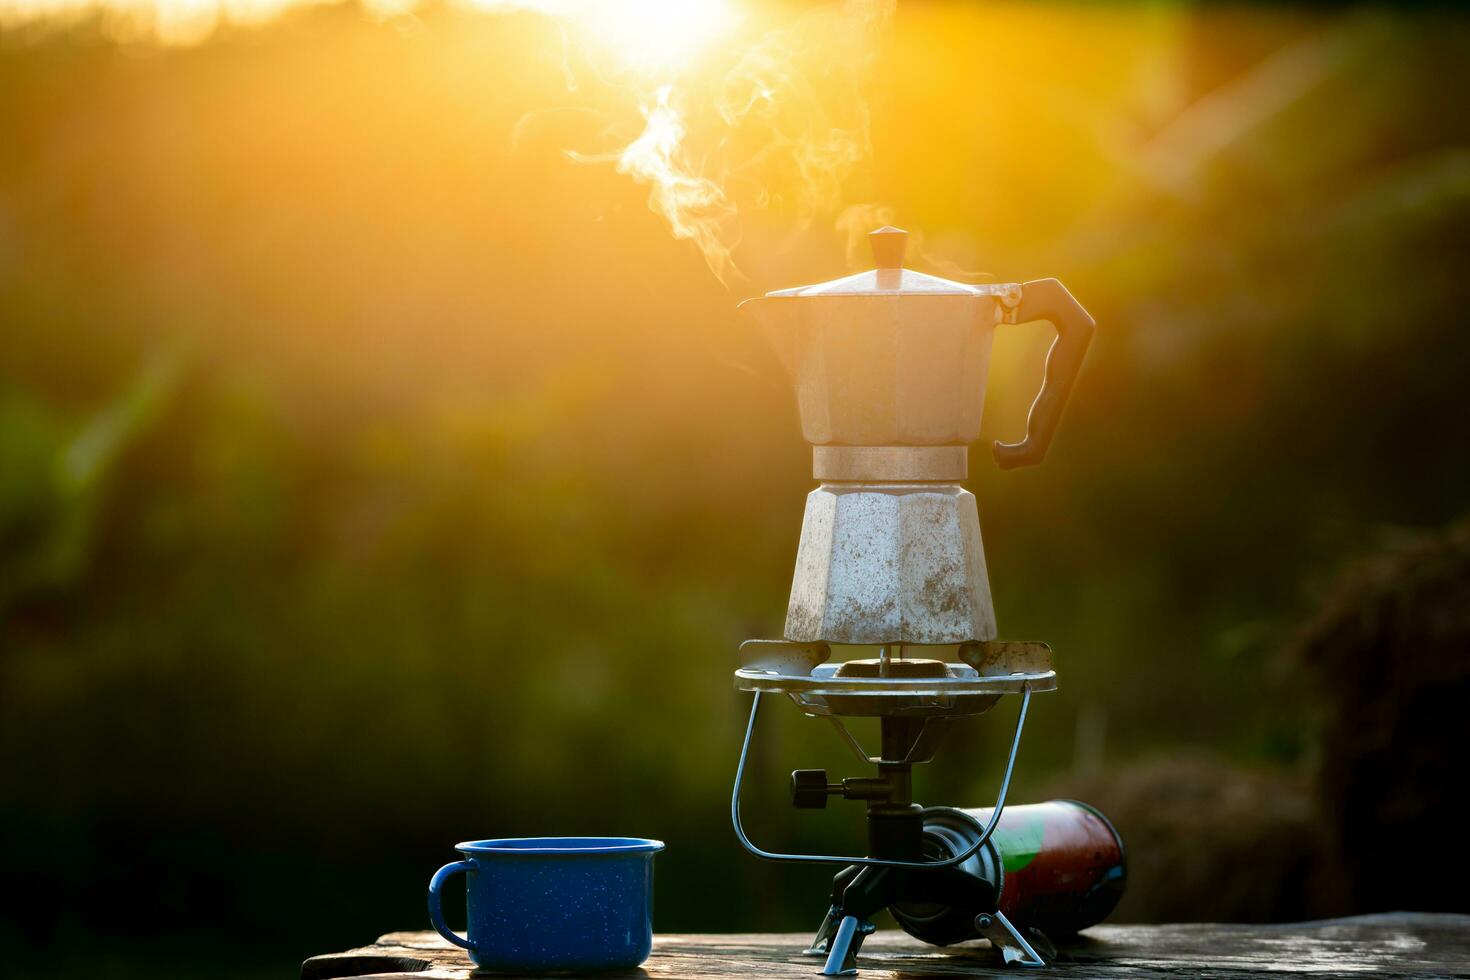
{"x":914,"y":713}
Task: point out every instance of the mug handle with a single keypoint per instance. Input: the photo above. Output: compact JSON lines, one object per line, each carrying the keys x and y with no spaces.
{"x":436,"y":914}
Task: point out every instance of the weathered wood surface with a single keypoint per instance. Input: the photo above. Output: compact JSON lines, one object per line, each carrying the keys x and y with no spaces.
{"x":1398,"y":945}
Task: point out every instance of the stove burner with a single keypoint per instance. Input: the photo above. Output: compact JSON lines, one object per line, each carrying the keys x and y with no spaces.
{"x":895,"y":669}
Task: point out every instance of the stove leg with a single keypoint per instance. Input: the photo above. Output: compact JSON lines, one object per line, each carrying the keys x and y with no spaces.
{"x":1005,"y":937}
{"x":823,"y":938}
{"x":842,"y":960}
{"x":857,"y":894}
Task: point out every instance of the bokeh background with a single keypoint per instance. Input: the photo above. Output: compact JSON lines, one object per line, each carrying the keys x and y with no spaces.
{"x":378,"y":470}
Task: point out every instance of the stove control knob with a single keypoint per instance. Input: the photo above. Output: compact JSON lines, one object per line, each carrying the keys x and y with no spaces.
{"x":809,"y":789}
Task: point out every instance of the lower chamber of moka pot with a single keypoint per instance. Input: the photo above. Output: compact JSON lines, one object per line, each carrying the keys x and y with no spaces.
{"x":883,"y":686}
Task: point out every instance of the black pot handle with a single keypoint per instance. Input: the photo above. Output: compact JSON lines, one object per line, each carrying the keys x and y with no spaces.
{"x":1048,"y":299}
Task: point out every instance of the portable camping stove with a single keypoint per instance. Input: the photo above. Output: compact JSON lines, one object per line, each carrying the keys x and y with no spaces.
{"x":890,"y":368}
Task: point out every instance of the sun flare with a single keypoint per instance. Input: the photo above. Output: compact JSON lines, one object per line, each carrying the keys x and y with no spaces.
{"x":658,"y":35}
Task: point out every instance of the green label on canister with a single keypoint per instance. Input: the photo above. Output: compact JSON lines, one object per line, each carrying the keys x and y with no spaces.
{"x":1018,"y":840}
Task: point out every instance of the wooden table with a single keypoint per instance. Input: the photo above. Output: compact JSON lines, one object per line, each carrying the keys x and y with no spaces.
{"x":1397,"y":944}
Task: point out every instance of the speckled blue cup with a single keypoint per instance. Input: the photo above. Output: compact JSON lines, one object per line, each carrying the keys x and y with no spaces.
{"x":553,"y":904}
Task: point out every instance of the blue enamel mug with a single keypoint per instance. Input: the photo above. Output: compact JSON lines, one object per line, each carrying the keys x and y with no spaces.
{"x":553,"y":904}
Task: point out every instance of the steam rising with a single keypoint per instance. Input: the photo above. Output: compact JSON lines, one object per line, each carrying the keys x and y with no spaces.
{"x":696,"y":207}
{"x":796,"y":118}
{"x":778,"y":131}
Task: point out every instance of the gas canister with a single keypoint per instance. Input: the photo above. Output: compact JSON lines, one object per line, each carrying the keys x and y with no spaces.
{"x":1057,"y":866}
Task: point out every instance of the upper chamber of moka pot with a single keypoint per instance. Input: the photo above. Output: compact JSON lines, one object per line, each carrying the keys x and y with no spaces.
{"x":888,"y":357}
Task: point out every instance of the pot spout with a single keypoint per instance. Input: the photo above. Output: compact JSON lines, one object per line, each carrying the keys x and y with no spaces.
{"x":776,"y":317}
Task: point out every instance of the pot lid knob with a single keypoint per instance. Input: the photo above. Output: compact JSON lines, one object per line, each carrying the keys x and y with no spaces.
{"x":889,"y":244}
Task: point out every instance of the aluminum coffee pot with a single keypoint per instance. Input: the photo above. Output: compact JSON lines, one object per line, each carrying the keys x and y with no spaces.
{"x":890,"y":368}
{"x":894,"y":357}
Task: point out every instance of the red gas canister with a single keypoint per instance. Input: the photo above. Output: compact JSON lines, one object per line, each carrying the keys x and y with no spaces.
{"x":1057,"y":866}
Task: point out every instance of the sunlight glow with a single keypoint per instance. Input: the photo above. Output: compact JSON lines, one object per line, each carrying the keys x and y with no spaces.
{"x":170,"y":22}
{"x":647,"y":35}
{"x":777,"y":111}
{"x":658,"y":35}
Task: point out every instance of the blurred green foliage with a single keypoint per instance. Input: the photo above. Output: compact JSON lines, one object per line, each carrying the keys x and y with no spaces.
{"x":371,"y":483}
